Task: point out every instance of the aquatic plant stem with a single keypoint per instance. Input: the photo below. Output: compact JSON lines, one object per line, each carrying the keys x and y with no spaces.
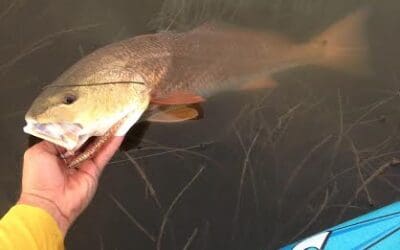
{"x":172,"y":206}
{"x":132,"y":219}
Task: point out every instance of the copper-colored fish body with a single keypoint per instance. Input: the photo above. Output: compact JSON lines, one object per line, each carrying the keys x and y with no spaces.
{"x":117,"y":83}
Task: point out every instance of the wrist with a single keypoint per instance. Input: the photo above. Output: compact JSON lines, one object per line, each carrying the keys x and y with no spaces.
{"x":49,"y":206}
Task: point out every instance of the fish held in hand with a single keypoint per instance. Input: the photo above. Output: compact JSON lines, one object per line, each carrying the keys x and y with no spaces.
{"x":162,"y":77}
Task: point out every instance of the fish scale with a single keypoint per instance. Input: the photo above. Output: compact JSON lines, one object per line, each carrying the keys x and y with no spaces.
{"x":172,"y":71}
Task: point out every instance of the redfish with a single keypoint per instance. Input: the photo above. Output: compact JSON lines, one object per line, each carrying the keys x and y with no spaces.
{"x":159,"y":77}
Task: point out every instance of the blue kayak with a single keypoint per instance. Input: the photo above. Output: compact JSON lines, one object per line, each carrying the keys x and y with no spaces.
{"x":379,"y":229}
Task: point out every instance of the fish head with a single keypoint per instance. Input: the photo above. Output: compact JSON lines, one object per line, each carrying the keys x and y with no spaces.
{"x":68,"y":115}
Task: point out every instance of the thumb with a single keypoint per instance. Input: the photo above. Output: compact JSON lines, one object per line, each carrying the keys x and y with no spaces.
{"x":108,"y":150}
{"x":96,"y":165}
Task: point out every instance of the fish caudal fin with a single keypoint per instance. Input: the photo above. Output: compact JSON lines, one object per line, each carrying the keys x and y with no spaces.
{"x":345,"y":45}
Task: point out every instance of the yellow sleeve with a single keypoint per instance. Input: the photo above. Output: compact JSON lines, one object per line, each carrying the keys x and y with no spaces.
{"x":28,"y":227}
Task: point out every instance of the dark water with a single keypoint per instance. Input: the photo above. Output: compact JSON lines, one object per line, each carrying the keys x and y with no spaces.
{"x":270,"y":167}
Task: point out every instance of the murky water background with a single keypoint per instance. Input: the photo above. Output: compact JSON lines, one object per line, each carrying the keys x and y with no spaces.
{"x":259,"y":170}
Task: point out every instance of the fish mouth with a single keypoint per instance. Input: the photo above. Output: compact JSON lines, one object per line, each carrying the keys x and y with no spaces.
{"x":67,"y":135}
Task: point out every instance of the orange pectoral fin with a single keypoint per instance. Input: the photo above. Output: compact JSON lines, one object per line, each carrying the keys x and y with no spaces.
{"x":176,"y":113}
{"x":177,"y":98}
{"x":259,"y":83}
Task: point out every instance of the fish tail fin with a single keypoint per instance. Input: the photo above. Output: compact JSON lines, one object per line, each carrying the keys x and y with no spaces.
{"x":345,"y":46}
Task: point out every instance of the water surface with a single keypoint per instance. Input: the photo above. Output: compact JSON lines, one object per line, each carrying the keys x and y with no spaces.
{"x":270,"y":166}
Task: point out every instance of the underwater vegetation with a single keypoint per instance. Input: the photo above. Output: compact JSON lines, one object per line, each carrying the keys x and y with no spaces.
{"x":259,"y":170}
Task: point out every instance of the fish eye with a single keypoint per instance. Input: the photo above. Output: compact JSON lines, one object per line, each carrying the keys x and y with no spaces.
{"x":69,"y":99}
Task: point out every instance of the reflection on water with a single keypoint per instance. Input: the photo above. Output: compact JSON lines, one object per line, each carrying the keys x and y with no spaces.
{"x":259,"y":170}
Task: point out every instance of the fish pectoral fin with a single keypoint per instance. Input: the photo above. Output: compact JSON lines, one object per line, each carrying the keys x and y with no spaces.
{"x":178,"y":98}
{"x":174,"y":113}
{"x":259,"y":82}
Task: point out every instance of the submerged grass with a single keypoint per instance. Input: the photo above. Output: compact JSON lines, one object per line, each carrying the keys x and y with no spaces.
{"x":290,"y":167}
{"x":357,"y":161}
{"x":172,"y":206}
{"x":166,"y":150}
{"x":8,"y":9}
{"x":340,"y":163}
{"x":242,"y":179}
{"x":379,"y":171}
{"x":316,"y":215}
{"x":41,"y":44}
{"x":191,"y":239}
{"x":149,"y":185}
{"x":132,"y":218}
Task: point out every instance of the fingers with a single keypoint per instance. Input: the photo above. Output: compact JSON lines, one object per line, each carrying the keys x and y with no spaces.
{"x":107,"y":151}
{"x":46,"y":147}
{"x":95,"y":166}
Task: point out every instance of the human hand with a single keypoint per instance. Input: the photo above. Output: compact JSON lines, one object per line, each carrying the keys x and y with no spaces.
{"x":64,"y":193}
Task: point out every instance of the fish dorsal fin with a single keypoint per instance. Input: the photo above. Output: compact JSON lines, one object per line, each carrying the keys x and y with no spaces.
{"x":214,"y":26}
{"x":177,"y":98}
{"x":207,"y":26}
{"x":174,"y":113}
